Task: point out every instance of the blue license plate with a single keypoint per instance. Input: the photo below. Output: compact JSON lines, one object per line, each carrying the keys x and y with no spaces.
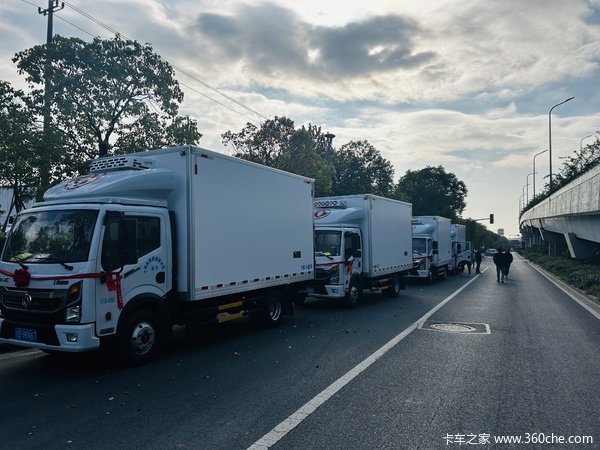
{"x":26,"y":334}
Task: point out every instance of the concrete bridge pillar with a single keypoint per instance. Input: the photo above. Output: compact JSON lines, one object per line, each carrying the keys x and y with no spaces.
{"x":580,"y":248}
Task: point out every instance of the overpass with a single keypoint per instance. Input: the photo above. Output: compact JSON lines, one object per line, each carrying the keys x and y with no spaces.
{"x":567,"y":222}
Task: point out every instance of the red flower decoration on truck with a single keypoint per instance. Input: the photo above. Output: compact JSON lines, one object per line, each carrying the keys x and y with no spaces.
{"x":21,"y":278}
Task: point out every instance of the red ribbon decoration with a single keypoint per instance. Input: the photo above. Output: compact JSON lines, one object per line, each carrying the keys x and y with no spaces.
{"x":22,"y":277}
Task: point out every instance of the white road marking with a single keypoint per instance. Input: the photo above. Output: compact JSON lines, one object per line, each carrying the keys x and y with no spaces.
{"x":277,"y":433}
{"x":594,"y":312}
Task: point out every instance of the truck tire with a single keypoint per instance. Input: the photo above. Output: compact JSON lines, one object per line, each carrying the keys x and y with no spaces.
{"x":139,"y":338}
{"x":394,"y":290}
{"x":270,"y":315}
{"x":354,"y":294}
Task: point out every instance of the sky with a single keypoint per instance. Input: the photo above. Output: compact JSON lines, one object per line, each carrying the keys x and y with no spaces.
{"x":464,"y":84}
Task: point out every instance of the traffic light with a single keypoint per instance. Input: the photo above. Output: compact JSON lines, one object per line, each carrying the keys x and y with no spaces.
{"x":491,"y":218}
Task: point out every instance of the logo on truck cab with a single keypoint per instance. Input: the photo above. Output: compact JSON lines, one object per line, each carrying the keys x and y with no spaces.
{"x":77,"y":182}
{"x":322,"y":213}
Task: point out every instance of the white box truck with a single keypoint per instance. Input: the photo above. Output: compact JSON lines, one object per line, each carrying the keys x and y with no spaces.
{"x":362,"y":242}
{"x":461,"y":249}
{"x":152,"y":239}
{"x":431,"y":247}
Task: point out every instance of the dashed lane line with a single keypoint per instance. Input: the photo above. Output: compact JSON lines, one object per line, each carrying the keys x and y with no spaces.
{"x":277,"y":433}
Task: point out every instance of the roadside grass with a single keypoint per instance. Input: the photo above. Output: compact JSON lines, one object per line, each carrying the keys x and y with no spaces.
{"x":579,"y":274}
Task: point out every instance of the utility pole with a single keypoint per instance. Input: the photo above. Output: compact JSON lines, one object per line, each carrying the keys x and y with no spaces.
{"x":46,"y":150}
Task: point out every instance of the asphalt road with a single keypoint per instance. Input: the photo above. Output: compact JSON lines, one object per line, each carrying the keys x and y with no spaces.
{"x":518,"y":359}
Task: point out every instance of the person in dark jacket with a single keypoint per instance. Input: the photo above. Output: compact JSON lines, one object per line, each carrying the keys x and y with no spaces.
{"x":477,"y":261}
{"x":509,"y":260}
{"x":500,"y":260}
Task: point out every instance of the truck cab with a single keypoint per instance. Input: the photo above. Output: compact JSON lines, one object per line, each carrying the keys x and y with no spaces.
{"x":338,"y":259}
{"x":422,"y":256}
{"x":78,"y":269}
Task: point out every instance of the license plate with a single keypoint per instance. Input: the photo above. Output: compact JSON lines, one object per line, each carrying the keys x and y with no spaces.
{"x":25,"y":334}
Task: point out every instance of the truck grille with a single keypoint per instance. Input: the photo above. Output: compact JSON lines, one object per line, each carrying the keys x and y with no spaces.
{"x":42,"y":306}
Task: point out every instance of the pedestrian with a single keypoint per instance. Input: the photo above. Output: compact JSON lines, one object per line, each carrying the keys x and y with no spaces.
{"x":500,"y":260}
{"x":477,"y":261}
{"x":509,"y":260}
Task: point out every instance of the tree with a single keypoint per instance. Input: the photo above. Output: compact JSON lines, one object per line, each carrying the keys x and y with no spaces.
{"x":301,"y":158}
{"x":574,"y":166}
{"x":360,"y":169}
{"x":277,"y":143}
{"x":433,"y":192}
{"x":103,"y":94}
{"x":261,"y":145}
{"x":20,"y":139}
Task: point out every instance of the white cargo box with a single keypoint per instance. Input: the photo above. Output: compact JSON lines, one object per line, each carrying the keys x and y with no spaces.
{"x":239,"y":226}
{"x":385,"y":225}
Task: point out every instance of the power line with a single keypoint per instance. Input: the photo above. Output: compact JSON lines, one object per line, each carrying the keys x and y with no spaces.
{"x":179,"y":69}
{"x":113,"y":31}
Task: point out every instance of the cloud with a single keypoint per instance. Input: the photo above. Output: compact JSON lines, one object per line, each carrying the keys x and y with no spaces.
{"x":283,"y":51}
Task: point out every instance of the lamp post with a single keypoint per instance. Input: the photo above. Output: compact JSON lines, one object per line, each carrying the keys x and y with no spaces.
{"x":329,"y":137}
{"x":527,"y":197}
{"x":543,"y":151}
{"x":581,"y":141}
{"x":550,"y":136}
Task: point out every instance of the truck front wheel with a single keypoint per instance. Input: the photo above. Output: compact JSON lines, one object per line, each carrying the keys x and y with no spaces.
{"x":139,"y":338}
{"x":354,"y":294}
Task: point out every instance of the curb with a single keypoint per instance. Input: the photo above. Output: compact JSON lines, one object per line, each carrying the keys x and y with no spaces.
{"x":591,"y":301}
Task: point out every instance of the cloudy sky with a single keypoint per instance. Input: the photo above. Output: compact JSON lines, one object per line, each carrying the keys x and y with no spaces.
{"x":463,"y":84}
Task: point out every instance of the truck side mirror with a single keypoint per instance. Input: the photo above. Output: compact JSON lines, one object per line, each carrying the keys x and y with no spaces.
{"x":435,"y":247}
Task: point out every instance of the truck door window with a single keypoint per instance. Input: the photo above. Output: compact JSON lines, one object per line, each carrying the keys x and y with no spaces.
{"x":148,"y":234}
{"x":351,"y":245}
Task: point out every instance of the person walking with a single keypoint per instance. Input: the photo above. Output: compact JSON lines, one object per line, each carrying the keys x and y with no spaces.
{"x":509,"y":260}
{"x":477,"y":261}
{"x":500,"y":262}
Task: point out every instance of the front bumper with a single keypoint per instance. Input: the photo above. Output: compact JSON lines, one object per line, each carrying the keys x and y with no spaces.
{"x":416,"y":273}
{"x":64,"y":338}
{"x":326,"y":291}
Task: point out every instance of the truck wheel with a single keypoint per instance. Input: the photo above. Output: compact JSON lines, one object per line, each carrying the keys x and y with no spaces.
{"x":354,"y":294}
{"x":394,"y":290}
{"x":270,"y":316}
{"x":139,"y":338}
{"x":430,"y":278}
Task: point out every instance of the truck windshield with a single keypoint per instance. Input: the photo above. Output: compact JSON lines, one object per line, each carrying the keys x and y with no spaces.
{"x":327,"y":243}
{"x":51,"y":237}
{"x":419,"y":246}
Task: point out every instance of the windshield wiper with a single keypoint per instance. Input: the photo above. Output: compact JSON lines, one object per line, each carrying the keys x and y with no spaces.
{"x":57,"y":261}
{"x":327,"y":254}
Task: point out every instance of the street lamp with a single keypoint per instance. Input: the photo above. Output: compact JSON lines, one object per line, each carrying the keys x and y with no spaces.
{"x":543,"y":151}
{"x":329,"y":137}
{"x":581,"y":141}
{"x":550,"y":136}
{"x":532,"y":173}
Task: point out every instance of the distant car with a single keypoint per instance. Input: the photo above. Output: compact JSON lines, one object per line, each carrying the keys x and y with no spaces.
{"x":491,"y":252}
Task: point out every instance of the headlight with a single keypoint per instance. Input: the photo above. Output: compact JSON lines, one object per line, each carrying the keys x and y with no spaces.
{"x":73,"y":311}
{"x":73,"y":314}
{"x":74,"y":293}
{"x":334,"y":274}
